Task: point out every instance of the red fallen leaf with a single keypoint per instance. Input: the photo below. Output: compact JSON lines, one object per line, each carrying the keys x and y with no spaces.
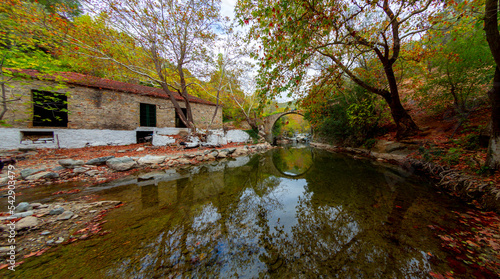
{"x":436,"y":275}
{"x":397,"y":206}
{"x":30,"y":255}
{"x":4,"y":266}
{"x":39,"y":253}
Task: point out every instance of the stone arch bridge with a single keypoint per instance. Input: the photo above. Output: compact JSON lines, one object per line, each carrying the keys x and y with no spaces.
{"x":269,"y":122}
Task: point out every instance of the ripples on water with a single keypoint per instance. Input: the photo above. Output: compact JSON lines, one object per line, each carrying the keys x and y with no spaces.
{"x":288,"y":213}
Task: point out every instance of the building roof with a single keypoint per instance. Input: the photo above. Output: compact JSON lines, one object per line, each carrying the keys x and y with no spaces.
{"x":102,"y":83}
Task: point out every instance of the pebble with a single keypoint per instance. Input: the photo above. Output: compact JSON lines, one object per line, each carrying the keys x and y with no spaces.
{"x":36,"y":205}
{"x":59,"y":240}
{"x":92,"y":211}
{"x":45,"y":233}
{"x":50,"y":241}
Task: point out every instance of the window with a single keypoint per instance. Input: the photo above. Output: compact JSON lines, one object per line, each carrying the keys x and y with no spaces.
{"x":50,"y":109}
{"x":178,"y":121}
{"x":148,"y":115}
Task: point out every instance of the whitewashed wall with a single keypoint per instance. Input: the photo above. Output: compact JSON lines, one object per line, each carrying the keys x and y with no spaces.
{"x":11,"y":138}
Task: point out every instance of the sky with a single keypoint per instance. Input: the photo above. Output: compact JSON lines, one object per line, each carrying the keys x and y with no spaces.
{"x":227,"y":8}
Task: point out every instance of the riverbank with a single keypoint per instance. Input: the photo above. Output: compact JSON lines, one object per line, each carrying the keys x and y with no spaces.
{"x":477,"y":242}
{"x":479,"y":191}
{"x":40,"y":227}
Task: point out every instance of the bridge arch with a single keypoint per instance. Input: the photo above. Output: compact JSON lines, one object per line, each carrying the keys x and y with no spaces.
{"x":271,"y":120}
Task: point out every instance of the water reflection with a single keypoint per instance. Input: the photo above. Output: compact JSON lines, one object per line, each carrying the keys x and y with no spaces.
{"x":244,"y":219}
{"x":293,"y":160}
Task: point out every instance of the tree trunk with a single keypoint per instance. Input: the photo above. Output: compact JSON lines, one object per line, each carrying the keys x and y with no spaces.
{"x":493,"y":157}
{"x":493,"y":38}
{"x":404,"y":123}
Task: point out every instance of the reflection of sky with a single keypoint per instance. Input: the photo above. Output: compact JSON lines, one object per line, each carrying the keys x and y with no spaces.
{"x":287,"y":213}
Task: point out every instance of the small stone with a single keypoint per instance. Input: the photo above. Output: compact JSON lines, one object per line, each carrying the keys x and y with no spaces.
{"x":65,"y":215}
{"x":26,"y":222}
{"x":121,"y":164}
{"x":56,"y":211}
{"x":36,"y":205}
{"x":45,"y":233}
{"x":70,"y":163}
{"x":59,"y":240}
{"x":80,"y":170}
{"x":92,"y":211}
{"x":37,"y":176}
{"x":140,"y":149}
{"x":51,"y":175}
{"x":92,"y":172}
{"x":23,"y":206}
{"x":27,"y":172}
{"x":99,"y":161}
{"x":209,"y":157}
{"x":21,"y":215}
{"x":222,"y":154}
{"x":59,"y":168}
{"x":183,"y":161}
{"x":50,"y":242}
{"x":4,"y":249}
{"x":150,"y":159}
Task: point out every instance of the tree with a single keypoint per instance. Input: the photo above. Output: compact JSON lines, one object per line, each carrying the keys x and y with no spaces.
{"x":171,"y":36}
{"x":460,"y":68}
{"x":493,"y":37}
{"x":295,"y":34}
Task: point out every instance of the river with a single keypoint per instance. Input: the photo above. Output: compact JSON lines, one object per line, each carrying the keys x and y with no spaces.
{"x":292,"y":212}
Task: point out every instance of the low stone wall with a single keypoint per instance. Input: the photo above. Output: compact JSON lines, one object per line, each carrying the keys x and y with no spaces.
{"x":462,"y":185}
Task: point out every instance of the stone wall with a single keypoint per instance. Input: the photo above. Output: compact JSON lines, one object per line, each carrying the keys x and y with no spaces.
{"x":92,"y":108}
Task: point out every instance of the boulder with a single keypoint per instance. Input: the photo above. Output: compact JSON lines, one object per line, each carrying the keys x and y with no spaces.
{"x":23,"y":207}
{"x":99,"y":161}
{"x":121,"y":164}
{"x":150,"y":159}
{"x":70,"y":163}
{"x":26,"y":222}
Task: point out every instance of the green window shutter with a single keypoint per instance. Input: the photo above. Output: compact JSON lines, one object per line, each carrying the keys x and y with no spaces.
{"x":148,"y":115}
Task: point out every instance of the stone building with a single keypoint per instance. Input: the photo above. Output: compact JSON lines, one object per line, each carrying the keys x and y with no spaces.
{"x":74,"y":110}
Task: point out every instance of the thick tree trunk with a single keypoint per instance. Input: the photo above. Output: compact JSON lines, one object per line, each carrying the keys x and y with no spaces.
{"x":405,"y":125}
{"x":493,"y":38}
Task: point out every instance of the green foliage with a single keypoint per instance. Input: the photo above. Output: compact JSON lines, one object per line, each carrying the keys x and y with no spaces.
{"x":351,"y":120}
{"x":254,"y":135}
{"x":452,"y":157}
{"x":460,"y":69}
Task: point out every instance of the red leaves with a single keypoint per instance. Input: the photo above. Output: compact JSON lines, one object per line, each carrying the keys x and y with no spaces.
{"x":66,"y":192}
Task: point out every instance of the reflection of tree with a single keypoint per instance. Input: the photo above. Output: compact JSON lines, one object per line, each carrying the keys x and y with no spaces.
{"x":341,"y":223}
{"x":294,"y":161}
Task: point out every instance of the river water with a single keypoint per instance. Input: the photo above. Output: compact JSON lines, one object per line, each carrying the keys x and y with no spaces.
{"x":292,"y":212}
